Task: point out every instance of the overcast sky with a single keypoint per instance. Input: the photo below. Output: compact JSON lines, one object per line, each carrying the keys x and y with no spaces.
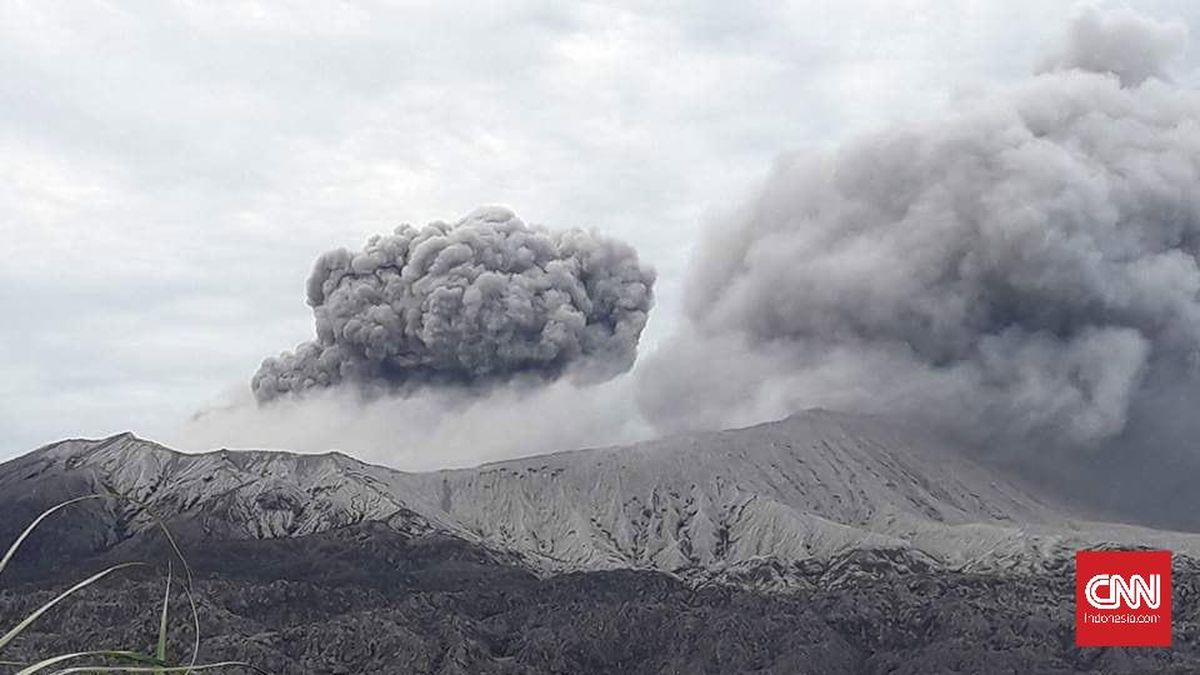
{"x":169,"y":171}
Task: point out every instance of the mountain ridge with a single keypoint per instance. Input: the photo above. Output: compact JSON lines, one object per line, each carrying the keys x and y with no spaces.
{"x":812,"y":486}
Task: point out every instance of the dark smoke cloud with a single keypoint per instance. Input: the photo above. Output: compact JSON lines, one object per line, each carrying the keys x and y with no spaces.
{"x":485,"y":300}
{"x":1024,"y":270}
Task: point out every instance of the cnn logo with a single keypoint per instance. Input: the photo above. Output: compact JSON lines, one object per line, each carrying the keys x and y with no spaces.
{"x":1123,"y":598}
{"x":1110,"y":591}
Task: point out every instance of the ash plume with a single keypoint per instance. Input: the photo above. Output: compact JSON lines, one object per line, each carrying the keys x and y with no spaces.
{"x":1118,"y":41}
{"x":436,"y":428}
{"x":1023,"y":270}
{"x":483,"y":301}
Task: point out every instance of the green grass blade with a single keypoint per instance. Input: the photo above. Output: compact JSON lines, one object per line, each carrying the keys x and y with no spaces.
{"x":151,"y":669}
{"x":187,"y":591}
{"x":162,"y":526}
{"x":8,"y":637}
{"x":161,"y":651}
{"x":55,"y":660}
{"x":158,"y":662}
{"x":187,"y":571}
{"x":38,"y":521}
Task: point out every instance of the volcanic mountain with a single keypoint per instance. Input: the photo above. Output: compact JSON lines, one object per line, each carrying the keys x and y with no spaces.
{"x":827,"y":517}
{"x":808,"y":487}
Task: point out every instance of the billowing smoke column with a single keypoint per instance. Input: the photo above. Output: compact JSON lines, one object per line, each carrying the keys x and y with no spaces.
{"x":484,"y":300}
{"x":1024,"y":270}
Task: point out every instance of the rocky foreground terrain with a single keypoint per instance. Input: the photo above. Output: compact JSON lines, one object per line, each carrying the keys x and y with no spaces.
{"x":824,"y":543}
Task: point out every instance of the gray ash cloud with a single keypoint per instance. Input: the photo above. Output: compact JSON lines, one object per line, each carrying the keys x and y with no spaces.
{"x":485,"y":300}
{"x":1023,"y":270}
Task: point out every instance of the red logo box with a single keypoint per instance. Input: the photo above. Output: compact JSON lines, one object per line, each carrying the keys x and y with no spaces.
{"x":1123,"y":598}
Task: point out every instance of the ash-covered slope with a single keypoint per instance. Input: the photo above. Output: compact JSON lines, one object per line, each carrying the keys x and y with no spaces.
{"x":221,"y":495}
{"x":812,"y":487}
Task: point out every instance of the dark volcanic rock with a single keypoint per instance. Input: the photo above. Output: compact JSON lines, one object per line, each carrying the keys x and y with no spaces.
{"x":366,"y":599}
